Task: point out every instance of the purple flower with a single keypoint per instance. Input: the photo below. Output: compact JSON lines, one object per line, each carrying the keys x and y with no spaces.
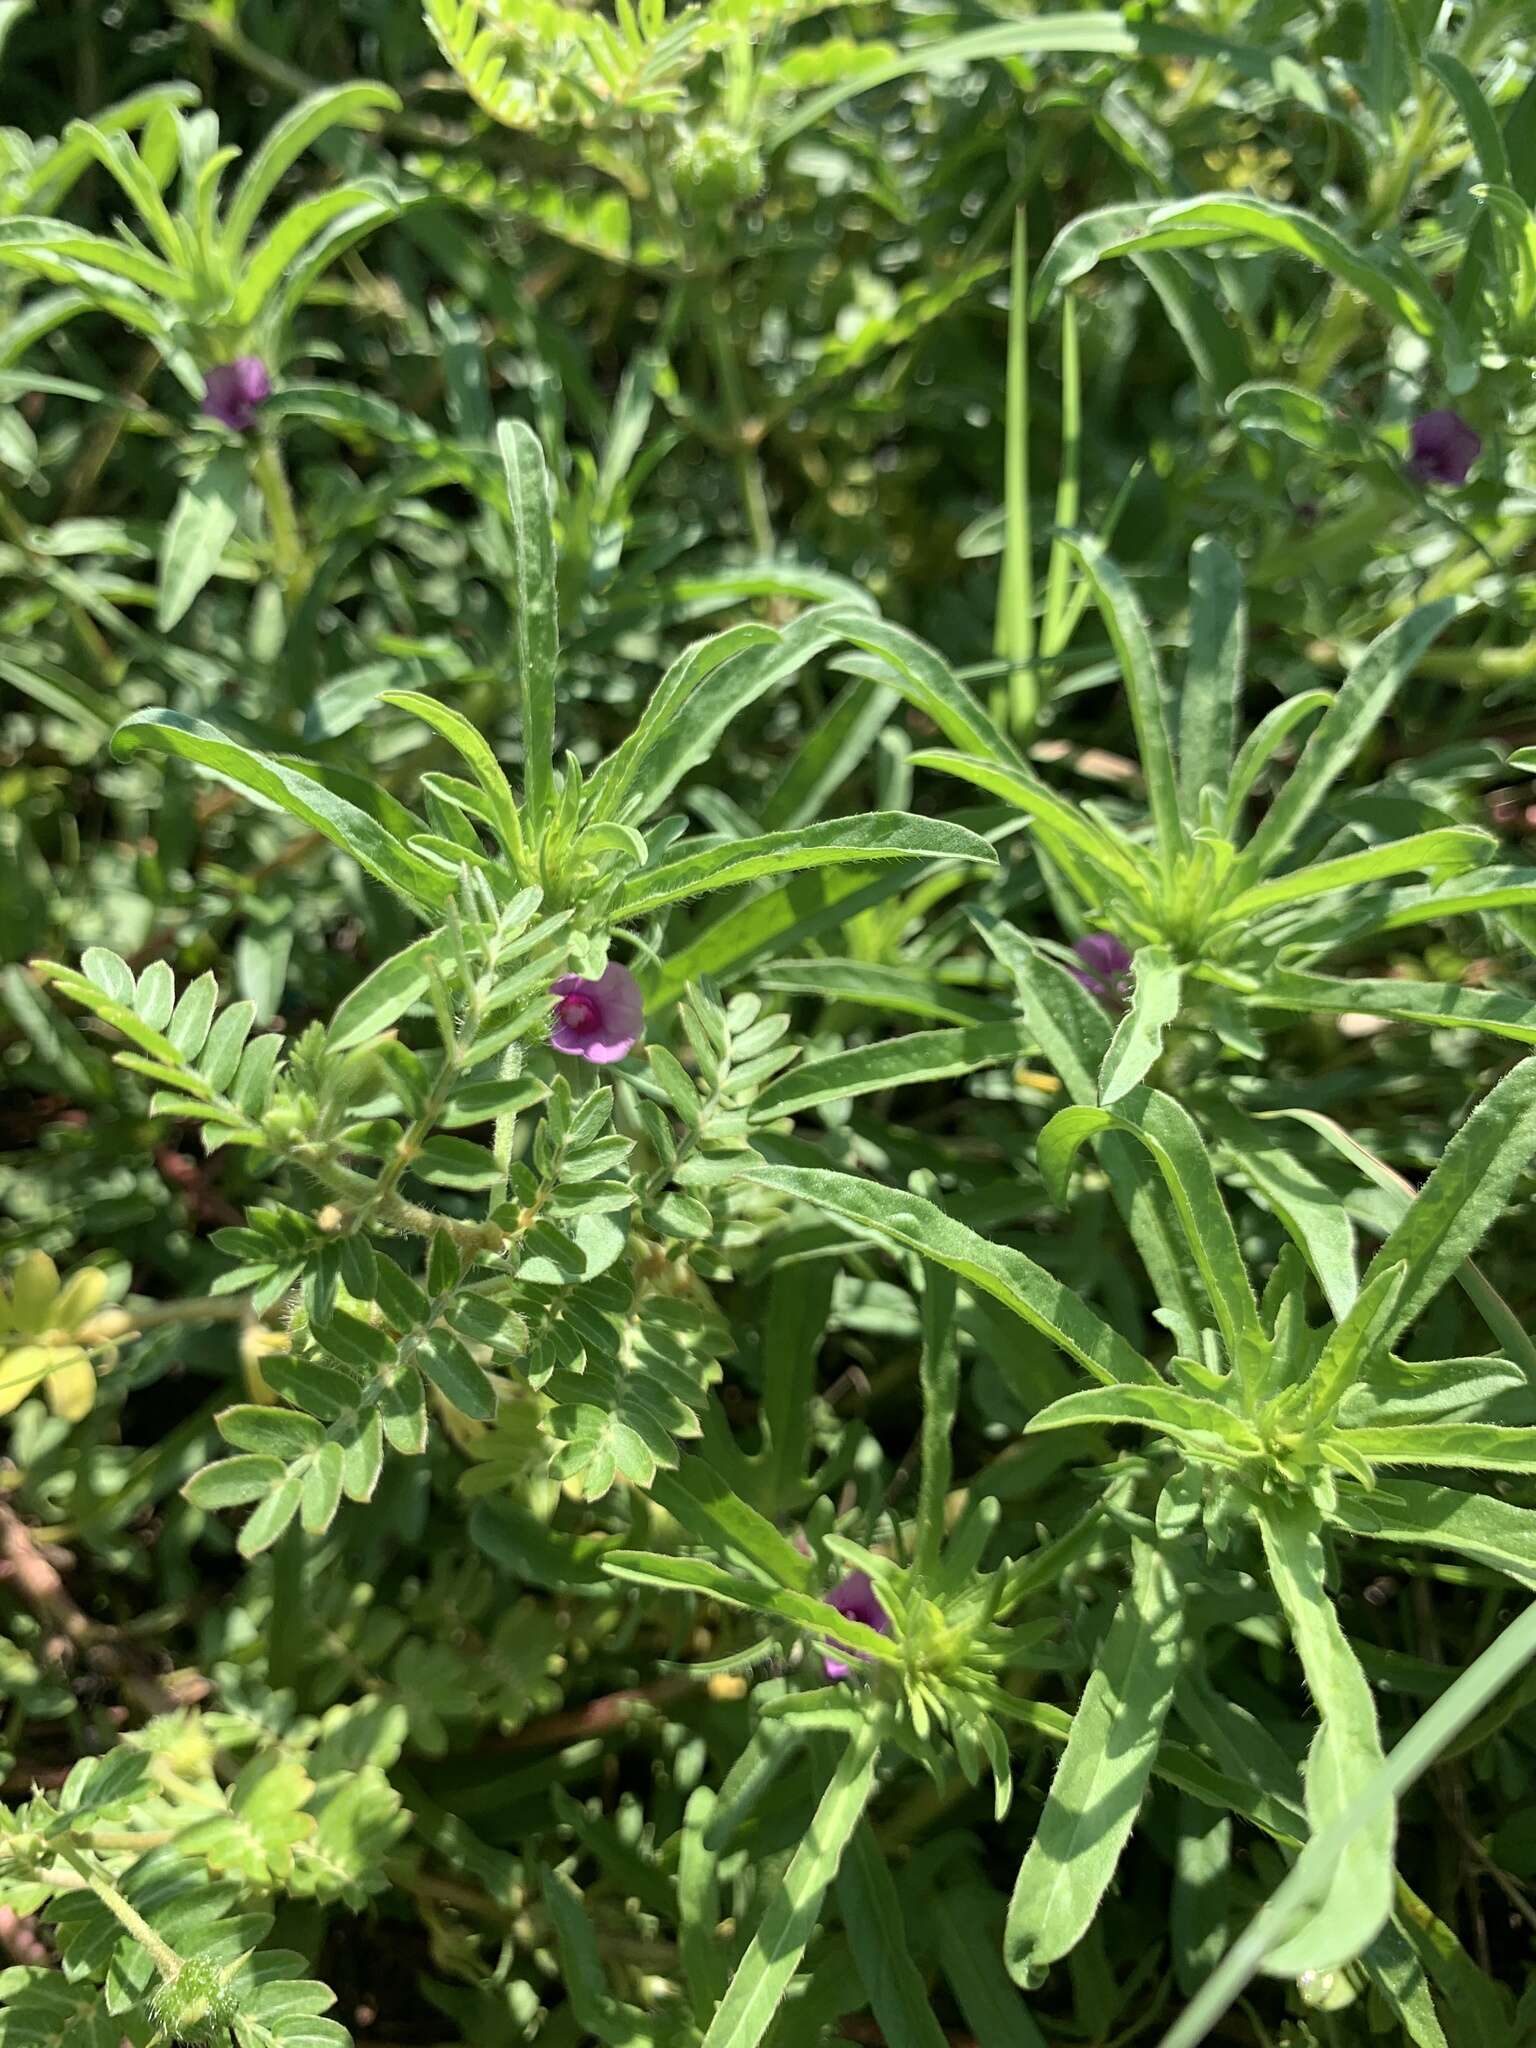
{"x":1106,"y":968}
{"x":1444,"y":448}
{"x":854,"y":1598}
{"x":597,"y":1020}
{"x":232,"y":392}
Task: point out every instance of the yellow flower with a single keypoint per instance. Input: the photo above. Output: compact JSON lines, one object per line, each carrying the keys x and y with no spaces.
{"x":39,"y":1317}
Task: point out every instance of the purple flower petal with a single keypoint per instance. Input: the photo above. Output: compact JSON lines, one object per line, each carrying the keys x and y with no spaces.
{"x":1443,"y":448}
{"x":853,"y":1597}
{"x":597,"y":1020}
{"x":232,"y":392}
{"x":1105,"y":969}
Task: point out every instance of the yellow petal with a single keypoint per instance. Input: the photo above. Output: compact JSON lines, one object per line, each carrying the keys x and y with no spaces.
{"x":34,"y":1289}
{"x":71,"y":1387}
{"x":20,"y":1371}
{"x":82,"y":1294}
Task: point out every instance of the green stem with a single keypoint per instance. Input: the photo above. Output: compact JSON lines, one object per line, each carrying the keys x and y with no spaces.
{"x":164,"y":1958}
{"x":285,"y":1622}
{"x":287,"y":547}
{"x":745,"y":438}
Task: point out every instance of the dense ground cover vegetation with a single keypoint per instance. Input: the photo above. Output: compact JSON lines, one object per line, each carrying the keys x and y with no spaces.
{"x":765,"y":778}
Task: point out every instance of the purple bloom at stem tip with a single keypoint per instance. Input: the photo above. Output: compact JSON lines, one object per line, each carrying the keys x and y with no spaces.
{"x":1443,"y":448}
{"x":232,"y":392}
{"x":1105,"y":970}
{"x":854,"y":1598}
{"x":597,"y":1020}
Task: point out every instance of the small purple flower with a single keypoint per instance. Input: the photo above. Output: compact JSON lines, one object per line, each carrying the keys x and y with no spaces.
{"x":1106,"y":968}
{"x":1444,"y":448}
{"x":597,"y":1020}
{"x":854,"y":1598}
{"x":232,"y":392}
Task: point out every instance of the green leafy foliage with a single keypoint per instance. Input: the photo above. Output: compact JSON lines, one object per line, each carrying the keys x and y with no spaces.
{"x":766,"y":1112}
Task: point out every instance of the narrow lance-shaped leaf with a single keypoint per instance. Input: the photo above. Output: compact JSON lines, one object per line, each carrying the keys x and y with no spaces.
{"x":1409,"y":1002}
{"x":1142,"y":674}
{"x":1171,"y":1136}
{"x":1345,"y":1751}
{"x":1213,"y":672}
{"x":1205,"y":222}
{"x":1138,"y":1039}
{"x":892,"y":1063}
{"x":882,"y":835}
{"x":1074,"y":1035}
{"x":1344,"y":728}
{"x":939,"y":1369}
{"x":533,"y":557}
{"x":200,"y":527}
{"x":877,"y":1933}
{"x":1492,"y":1307}
{"x":1464,"y":1194}
{"x":1103,"y":1772}
{"x":764,"y":1972}
{"x":169,"y":732}
{"x":919,"y":1225}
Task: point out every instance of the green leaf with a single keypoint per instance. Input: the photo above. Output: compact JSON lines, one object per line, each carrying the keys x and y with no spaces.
{"x":1495,"y":1311}
{"x":697,"y":1497}
{"x":881,"y":835}
{"x":892,"y":1063}
{"x":233,"y":1483}
{"x":1204,"y":1428}
{"x":383,"y":996}
{"x":1067,"y":830}
{"x":1173,"y":1139}
{"x":1479,"y":1446}
{"x":1266,"y":739}
{"x":920,"y":1226}
{"x":1463,"y":1196}
{"x":1345,"y":1752}
{"x":1350,"y":720}
{"x":1313,"y":1216}
{"x":1138,"y":1039}
{"x":970,"y":1954}
{"x":351,"y":106}
{"x":1407,"y":1002}
{"x":1209,"y":222}
{"x":764,"y":1972}
{"x":1102,"y":1776}
{"x":1476,"y":1525}
{"x":538,"y":643}
{"x":1450,"y":850}
{"x":471,"y":744}
{"x":1213,"y":672}
{"x":448,"y":1365}
{"x":939,"y":1374}
{"x":882,"y":1948}
{"x":200,"y":527}
{"x":1139,"y":667}
{"x":784,"y":1603}
{"x":1481,"y":124}
{"x":1356,"y":1343}
{"x":374,"y":848}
